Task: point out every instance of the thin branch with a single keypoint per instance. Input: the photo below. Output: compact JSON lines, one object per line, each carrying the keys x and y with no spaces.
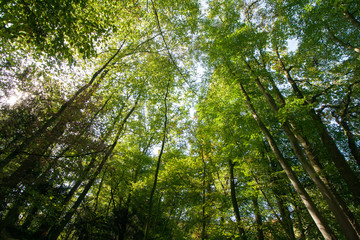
{"x":168,"y":49}
{"x":341,"y":42}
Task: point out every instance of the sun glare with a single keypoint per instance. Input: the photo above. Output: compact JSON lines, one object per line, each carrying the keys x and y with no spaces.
{"x":13,"y":98}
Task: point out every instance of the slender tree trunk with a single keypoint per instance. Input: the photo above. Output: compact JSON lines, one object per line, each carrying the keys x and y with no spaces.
{"x":355,"y":151}
{"x":288,"y":232}
{"x":282,"y":206}
{"x":125,"y":218}
{"x":56,"y":230}
{"x":34,"y":209}
{"x":99,"y":190}
{"x":341,"y":120}
{"x":344,"y":217}
{"x":342,"y":214}
{"x":203,"y":213}
{"x":38,"y":133}
{"x":258,"y":219}
{"x":334,"y":153}
{"x":148,"y":222}
{"x":234,"y":201}
{"x":30,"y":167}
{"x":320,"y":222}
{"x":299,"y":222}
{"x":76,"y":186}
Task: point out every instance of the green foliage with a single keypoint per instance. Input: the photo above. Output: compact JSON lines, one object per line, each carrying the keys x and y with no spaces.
{"x":79,"y":148}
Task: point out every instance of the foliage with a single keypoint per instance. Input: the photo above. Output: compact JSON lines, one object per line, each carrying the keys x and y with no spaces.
{"x":90,"y":92}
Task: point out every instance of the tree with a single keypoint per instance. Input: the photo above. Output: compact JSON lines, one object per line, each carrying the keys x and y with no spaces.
{"x":179,"y":120}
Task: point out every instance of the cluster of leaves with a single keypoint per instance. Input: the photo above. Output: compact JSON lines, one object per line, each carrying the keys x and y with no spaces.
{"x":100,"y":143}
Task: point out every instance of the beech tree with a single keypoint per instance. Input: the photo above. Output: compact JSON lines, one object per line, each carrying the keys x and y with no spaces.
{"x":179,"y":119}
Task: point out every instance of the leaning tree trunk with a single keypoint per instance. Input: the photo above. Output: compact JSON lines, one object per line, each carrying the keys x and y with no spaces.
{"x":282,"y":206}
{"x":38,"y":133}
{"x":354,"y":149}
{"x":341,"y":120}
{"x":333,"y":151}
{"x":56,"y":230}
{"x":343,"y":215}
{"x":320,"y":222}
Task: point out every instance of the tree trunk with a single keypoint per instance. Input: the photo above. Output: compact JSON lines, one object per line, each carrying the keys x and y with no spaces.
{"x":355,"y":151}
{"x":344,"y":217}
{"x":124,"y":219}
{"x":289,"y":232}
{"x":56,"y":230}
{"x":148,"y":222}
{"x":203,"y":213}
{"x":282,"y":206}
{"x":341,"y":120}
{"x":38,"y":133}
{"x":334,"y":153}
{"x":258,"y":219}
{"x":234,"y":201}
{"x":30,"y":167}
{"x":299,"y":221}
{"x":320,"y":222}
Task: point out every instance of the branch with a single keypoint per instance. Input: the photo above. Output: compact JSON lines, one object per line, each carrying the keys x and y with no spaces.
{"x":342,"y":43}
{"x":167,"y":47}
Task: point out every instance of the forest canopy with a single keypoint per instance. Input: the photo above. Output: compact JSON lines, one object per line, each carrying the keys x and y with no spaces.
{"x":149,"y":119}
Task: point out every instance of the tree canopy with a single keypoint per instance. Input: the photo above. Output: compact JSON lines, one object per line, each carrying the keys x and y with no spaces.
{"x":212,"y":119}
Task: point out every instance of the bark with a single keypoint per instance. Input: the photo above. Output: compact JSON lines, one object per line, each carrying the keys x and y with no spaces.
{"x":99,"y":190}
{"x":148,"y":222}
{"x":285,"y":216}
{"x":34,"y":209}
{"x":341,"y":164}
{"x":333,"y":151}
{"x":30,"y":167}
{"x":299,"y":223}
{"x":342,"y":214}
{"x":258,"y":219}
{"x":320,"y":222}
{"x":38,"y":133}
{"x":124,"y":219}
{"x":56,"y":230}
{"x":76,"y":186}
{"x":289,"y":232}
{"x":341,"y":120}
{"x":282,"y":206}
{"x":344,"y":217}
{"x":355,"y":151}
{"x":234,"y":201}
{"x":203,"y":214}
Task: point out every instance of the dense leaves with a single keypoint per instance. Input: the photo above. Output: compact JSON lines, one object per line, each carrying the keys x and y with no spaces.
{"x":179,"y":119}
